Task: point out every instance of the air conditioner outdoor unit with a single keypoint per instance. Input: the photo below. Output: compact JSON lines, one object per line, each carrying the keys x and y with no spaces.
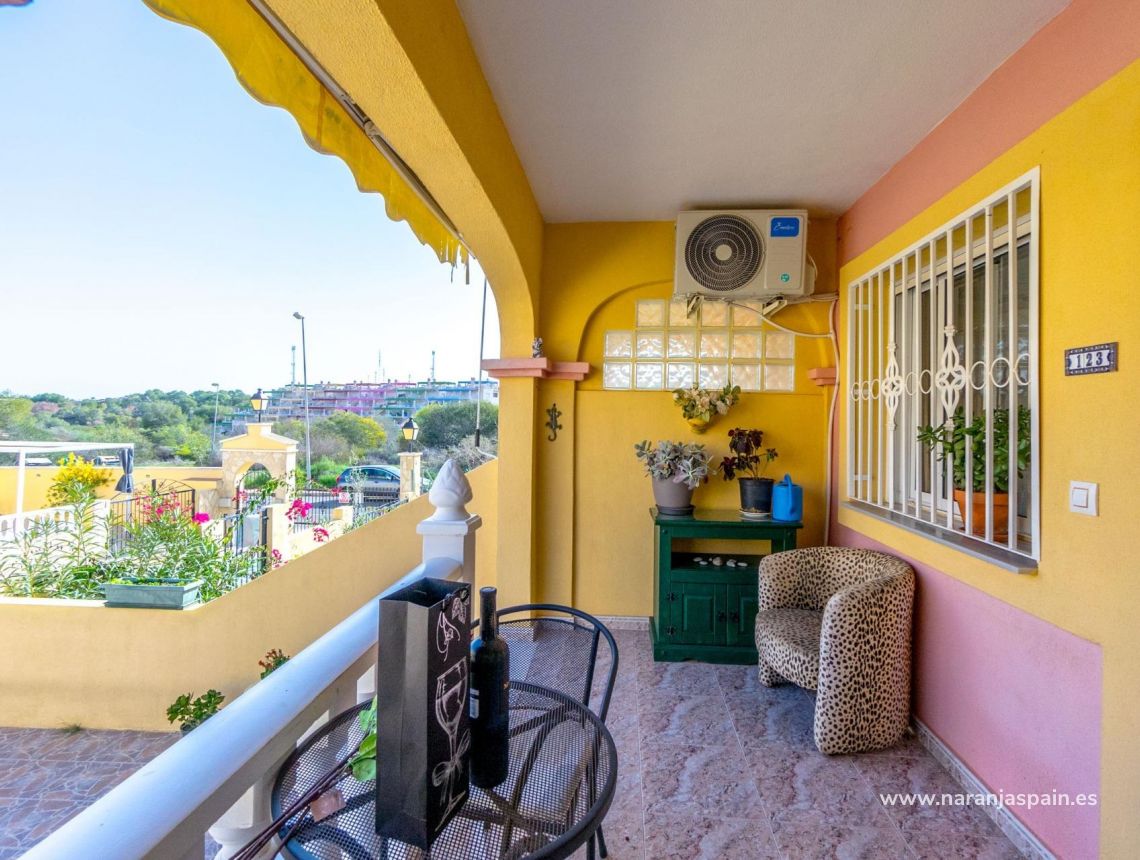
{"x":742,"y":254}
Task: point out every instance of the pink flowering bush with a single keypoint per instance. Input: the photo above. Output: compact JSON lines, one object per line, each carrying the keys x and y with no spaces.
{"x":320,"y":535}
{"x":201,"y":519}
{"x":298,"y":510}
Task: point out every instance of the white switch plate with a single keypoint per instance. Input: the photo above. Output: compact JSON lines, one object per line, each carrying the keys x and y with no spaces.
{"x":1083,"y":498}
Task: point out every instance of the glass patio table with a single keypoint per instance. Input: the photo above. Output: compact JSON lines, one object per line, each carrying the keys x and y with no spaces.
{"x":563,"y":769}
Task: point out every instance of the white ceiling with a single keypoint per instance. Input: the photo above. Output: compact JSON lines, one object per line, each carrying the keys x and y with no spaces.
{"x":634,"y":109}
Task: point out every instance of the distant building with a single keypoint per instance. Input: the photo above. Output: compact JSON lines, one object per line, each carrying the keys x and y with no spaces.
{"x":396,"y":400}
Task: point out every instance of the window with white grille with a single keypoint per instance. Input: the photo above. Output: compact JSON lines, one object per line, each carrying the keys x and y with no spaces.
{"x":942,"y":410}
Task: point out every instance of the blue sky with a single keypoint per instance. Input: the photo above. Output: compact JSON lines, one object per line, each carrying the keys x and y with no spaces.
{"x":158,"y":226}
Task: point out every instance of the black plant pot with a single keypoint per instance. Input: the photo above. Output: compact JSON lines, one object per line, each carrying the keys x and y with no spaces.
{"x":756,"y":495}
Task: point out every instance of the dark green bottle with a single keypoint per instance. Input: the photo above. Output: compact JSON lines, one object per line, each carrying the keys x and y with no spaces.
{"x":490,"y":686}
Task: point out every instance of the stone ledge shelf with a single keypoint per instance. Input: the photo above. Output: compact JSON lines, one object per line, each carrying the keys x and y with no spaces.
{"x":822,"y":375}
{"x":540,"y":368}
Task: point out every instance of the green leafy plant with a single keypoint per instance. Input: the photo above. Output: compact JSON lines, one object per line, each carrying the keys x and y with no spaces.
{"x":679,"y":462}
{"x":949,"y":440}
{"x":190,"y":711}
{"x":363,"y":762}
{"x":704,"y":404}
{"x":749,"y":457}
{"x":273,"y":660}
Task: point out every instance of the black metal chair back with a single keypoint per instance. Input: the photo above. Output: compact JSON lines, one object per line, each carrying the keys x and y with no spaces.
{"x":563,"y":649}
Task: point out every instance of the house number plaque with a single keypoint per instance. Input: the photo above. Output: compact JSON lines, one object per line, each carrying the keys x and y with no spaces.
{"x":1099,"y":358}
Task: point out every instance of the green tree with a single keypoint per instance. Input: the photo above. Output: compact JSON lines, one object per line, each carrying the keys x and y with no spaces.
{"x":444,"y":425}
{"x":16,"y":419}
{"x":360,"y":434}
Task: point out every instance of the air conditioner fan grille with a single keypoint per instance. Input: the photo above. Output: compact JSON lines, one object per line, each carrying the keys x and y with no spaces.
{"x":723,"y":253}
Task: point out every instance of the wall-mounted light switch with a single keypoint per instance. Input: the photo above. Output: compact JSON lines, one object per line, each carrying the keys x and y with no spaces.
{"x":1083,"y":498}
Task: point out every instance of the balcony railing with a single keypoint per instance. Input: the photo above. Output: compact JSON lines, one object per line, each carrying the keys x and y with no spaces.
{"x":219,"y":777}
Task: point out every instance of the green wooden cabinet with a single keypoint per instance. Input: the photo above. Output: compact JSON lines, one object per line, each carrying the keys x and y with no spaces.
{"x":705,"y":612}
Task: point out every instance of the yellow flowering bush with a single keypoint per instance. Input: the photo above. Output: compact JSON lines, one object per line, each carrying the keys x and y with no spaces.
{"x":76,"y":479}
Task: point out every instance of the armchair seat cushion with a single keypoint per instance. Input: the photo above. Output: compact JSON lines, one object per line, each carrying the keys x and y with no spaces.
{"x":789,"y":638}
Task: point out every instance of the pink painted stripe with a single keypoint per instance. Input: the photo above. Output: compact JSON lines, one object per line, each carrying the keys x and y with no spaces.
{"x":1080,"y":49}
{"x":1014,"y":697}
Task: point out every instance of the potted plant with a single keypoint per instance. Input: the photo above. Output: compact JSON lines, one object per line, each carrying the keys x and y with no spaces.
{"x":190,"y":711}
{"x":747,"y":463}
{"x":677,"y":469}
{"x":152,"y":593}
{"x":700,"y":406}
{"x":949,"y":440}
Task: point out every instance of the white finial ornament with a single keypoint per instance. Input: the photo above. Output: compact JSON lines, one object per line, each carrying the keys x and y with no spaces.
{"x":450,"y":493}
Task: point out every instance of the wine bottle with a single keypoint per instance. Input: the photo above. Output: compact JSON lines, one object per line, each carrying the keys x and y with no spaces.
{"x":490,"y":685}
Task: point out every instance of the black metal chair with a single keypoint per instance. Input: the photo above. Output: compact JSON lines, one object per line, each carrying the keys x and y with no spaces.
{"x":558,"y":647}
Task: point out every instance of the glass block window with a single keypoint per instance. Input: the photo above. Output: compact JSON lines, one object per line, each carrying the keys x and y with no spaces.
{"x":651,"y":313}
{"x":619,"y":344}
{"x":617,"y":374}
{"x":717,"y":345}
{"x":650,"y":344}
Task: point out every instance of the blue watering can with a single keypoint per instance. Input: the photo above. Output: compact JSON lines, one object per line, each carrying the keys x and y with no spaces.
{"x":787,"y":501}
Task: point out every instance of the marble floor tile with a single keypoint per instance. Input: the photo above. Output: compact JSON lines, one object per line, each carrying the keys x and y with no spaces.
{"x":813,"y":835}
{"x":781,"y":714}
{"x":697,"y":678}
{"x":669,"y":715}
{"x":671,"y":837}
{"x":699,"y":781}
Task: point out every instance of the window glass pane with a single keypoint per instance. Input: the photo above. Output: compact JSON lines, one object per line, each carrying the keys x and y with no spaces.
{"x":617,"y":374}
{"x":619,"y":344}
{"x":779,"y":377}
{"x":747,"y":376}
{"x":681,"y":374}
{"x":714,"y":344}
{"x":714,"y":313}
{"x":746,"y":345}
{"x":682,"y":344}
{"x":746,"y":314}
{"x":779,"y":344}
{"x":713,"y":375}
{"x":651,"y":312}
{"x":649,"y":374}
{"x":650,"y":344}
{"x":677,"y":315}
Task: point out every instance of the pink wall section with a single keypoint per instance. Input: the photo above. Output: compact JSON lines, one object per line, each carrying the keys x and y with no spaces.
{"x":1082,"y":47}
{"x":1015,"y":698}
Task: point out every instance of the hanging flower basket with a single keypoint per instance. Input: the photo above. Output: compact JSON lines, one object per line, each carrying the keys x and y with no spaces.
{"x":702,"y":406}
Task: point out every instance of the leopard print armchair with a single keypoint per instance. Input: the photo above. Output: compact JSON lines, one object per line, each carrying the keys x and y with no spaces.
{"x":838,"y":621}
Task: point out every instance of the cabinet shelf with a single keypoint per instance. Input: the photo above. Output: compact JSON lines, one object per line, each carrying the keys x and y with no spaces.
{"x":707,"y":611}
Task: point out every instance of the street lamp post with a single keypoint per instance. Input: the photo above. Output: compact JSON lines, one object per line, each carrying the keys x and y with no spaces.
{"x":305,"y":383}
{"x":214,"y":433}
{"x":258,"y":402}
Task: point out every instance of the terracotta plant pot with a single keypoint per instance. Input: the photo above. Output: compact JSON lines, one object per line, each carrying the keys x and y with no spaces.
{"x":674,"y":500}
{"x":978,"y":503}
{"x":756,"y":495}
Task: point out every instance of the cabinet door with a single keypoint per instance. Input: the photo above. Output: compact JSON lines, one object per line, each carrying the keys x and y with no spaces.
{"x":698,"y":613}
{"x":742,"y":607}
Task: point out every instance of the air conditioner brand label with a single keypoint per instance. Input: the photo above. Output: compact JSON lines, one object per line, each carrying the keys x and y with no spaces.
{"x":784,"y":228}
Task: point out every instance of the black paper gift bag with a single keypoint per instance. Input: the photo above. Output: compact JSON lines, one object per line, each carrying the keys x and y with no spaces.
{"x":422,"y":734}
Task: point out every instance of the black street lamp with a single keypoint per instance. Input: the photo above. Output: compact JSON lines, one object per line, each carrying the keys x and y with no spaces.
{"x":259,"y":401}
{"x":410,"y":429}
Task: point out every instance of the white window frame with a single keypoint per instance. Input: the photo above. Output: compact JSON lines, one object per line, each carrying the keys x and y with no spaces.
{"x":890,"y":383}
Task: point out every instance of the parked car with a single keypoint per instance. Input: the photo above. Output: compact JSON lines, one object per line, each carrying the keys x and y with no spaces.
{"x":108,"y":460}
{"x":375,"y":483}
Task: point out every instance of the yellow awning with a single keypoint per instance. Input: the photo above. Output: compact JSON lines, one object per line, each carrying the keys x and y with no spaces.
{"x":276,"y":76}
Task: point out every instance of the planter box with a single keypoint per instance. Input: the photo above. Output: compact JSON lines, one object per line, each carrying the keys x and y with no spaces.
{"x":170,"y":594}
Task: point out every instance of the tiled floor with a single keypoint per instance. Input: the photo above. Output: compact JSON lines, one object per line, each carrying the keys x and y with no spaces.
{"x":713,"y":765}
{"x":47,"y":776}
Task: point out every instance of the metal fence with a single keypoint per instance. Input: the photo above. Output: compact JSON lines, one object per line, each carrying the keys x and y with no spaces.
{"x":245,"y":537}
{"x":122,"y":514}
{"x":313,"y":506}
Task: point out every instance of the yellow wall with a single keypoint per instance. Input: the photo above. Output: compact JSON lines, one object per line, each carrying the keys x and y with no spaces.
{"x":1088,"y":581}
{"x":78,"y":662}
{"x":595,"y":535}
{"x":39,"y":479}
